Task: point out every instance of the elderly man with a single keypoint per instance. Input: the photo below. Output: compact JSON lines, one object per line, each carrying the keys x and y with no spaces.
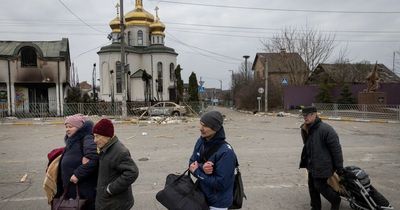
{"x":213,"y":162}
{"x":322,"y":156}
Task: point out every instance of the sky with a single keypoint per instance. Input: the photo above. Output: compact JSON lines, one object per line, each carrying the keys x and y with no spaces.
{"x":211,"y":37}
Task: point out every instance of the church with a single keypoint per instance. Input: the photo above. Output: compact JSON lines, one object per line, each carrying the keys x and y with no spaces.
{"x":149,"y":64}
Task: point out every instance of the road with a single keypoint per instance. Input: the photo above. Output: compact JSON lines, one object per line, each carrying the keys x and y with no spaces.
{"x":268,"y":149}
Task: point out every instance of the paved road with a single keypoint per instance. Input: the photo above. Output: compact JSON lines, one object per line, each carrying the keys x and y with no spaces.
{"x":268,"y":148}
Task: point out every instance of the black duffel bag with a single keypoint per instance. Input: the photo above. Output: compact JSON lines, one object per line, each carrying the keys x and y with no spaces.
{"x":181,"y":193}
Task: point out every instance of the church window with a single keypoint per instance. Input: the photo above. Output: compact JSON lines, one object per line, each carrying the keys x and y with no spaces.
{"x":158,"y":40}
{"x":159,"y":77}
{"x":171,"y":72}
{"x":129,"y":38}
{"x":140,"y":37}
{"x":118,"y":77}
{"x":28,"y":57}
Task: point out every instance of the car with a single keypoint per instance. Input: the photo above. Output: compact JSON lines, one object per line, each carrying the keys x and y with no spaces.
{"x":163,"y":108}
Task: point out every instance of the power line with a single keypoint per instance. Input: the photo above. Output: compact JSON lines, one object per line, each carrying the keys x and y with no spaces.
{"x":90,"y":50}
{"x":281,"y":10}
{"x":200,"y":53}
{"x":208,"y":51}
{"x":66,"y":7}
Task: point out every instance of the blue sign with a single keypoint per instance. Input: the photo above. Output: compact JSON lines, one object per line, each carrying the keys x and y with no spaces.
{"x":201,"y":89}
{"x":284,"y":81}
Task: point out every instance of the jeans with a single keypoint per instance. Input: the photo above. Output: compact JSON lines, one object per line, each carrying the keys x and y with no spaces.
{"x":317,"y":186}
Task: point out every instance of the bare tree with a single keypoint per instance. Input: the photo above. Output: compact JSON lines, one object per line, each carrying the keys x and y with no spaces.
{"x":313,"y":46}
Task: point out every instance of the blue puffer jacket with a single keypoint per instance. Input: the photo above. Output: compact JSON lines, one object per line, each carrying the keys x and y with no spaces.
{"x":79,"y":145}
{"x":218,"y":186}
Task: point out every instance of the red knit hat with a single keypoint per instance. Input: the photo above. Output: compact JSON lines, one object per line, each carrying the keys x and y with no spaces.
{"x":104,"y":127}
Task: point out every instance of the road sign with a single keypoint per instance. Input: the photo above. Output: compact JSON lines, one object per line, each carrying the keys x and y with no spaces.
{"x":201,"y":89}
{"x":284,"y":81}
{"x":260,"y":90}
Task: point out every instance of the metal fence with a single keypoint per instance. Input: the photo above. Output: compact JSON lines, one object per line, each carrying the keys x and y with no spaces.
{"x":360,"y":111}
{"x":44,"y":111}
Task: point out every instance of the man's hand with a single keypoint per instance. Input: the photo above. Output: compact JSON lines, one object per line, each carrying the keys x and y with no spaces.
{"x":193,"y":166}
{"x":208,"y":167}
{"x":74,"y":179}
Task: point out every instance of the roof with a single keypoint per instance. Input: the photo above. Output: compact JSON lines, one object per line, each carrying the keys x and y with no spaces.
{"x":352,"y":73}
{"x":141,"y":74}
{"x":116,"y":47}
{"x":45,"y":49}
{"x":275,"y":61}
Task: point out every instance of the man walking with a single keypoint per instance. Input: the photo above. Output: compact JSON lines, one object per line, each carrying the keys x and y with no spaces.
{"x":322,"y":156}
{"x":213,"y":162}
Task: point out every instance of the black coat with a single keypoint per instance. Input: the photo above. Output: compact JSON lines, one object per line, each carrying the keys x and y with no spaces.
{"x":322,"y":153}
{"x":117,"y":171}
{"x":79,"y":145}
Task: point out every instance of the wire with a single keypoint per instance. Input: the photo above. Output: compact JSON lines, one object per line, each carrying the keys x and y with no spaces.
{"x":282,"y":10}
{"x":66,"y":7}
{"x":90,"y":50}
{"x":209,"y":51}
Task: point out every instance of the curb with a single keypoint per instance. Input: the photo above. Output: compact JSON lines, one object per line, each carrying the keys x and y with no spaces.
{"x":359,"y":120}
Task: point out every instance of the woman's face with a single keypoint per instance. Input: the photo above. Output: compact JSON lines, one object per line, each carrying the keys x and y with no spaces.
{"x":70,"y":130}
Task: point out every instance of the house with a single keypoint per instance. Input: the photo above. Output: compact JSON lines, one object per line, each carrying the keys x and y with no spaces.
{"x":34,"y":76}
{"x":150,"y":65}
{"x":350,"y":74}
{"x":283,"y":68}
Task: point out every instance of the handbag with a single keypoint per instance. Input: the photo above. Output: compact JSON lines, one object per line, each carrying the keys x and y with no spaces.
{"x":181,"y":193}
{"x":70,"y":204}
{"x":238,"y":191}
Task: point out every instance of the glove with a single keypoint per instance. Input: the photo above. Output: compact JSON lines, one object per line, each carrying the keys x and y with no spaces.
{"x":340,"y":171}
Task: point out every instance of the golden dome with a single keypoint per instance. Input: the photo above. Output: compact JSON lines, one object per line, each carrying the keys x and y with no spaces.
{"x":139,"y":16}
{"x":157,"y":28}
{"x":115,"y":25}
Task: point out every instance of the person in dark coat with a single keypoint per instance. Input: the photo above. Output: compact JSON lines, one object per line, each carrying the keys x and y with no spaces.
{"x":117,"y":170}
{"x":322,"y":156}
{"x":216,"y":173}
{"x":79,"y":161}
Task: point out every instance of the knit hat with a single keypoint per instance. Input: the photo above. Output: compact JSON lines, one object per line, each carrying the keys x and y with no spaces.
{"x":76,"y":120}
{"x":213,"y":120}
{"x":308,"y":109}
{"x":104,"y":127}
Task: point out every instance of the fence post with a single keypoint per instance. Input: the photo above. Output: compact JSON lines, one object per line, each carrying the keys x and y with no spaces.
{"x":80,"y":105}
{"x":335,"y":110}
{"x":398,"y":112}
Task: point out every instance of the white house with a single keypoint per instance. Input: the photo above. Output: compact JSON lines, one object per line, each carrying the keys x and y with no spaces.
{"x":150,"y":64}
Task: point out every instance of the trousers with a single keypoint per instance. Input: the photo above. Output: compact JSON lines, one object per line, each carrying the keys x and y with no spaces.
{"x":319,"y":186}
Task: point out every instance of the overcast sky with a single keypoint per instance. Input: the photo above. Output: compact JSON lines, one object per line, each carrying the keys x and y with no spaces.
{"x":210,"y":38}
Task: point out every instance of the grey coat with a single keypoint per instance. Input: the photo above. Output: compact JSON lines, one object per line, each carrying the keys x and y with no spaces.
{"x":117,"y":172}
{"x":322,"y":152}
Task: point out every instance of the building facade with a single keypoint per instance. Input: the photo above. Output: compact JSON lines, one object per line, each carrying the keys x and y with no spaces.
{"x":150,"y":65}
{"x":34,"y":76}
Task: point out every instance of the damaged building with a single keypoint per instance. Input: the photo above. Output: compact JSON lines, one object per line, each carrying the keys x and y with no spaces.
{"x":34,"y":76}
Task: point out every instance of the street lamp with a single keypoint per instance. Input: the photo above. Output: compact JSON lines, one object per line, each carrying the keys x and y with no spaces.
{"x":245,"y":64}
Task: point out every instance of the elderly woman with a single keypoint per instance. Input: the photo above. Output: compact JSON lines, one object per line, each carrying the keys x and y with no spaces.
{"x":79,"y":162}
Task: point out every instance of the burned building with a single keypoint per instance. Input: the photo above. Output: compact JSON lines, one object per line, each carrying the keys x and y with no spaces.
{"x":33,"y":76}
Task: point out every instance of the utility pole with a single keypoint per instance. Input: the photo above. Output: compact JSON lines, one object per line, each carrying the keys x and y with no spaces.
{"x":232,"y":97}
{"x":122,"y":37}
{"x":266,"y":86}
{"x":94,"y":82}
{"x":245,"y":65}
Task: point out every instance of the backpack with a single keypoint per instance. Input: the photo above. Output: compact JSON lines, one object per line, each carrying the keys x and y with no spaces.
{"x":238,"y":188}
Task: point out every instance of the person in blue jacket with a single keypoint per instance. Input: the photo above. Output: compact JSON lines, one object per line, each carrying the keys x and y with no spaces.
{"x":215,"y":174}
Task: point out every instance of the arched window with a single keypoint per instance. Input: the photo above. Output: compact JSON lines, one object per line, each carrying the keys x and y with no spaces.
{"x":171,"y":72}
{"x":28,"y":57}
{"x":129,"y":38}
{"x":158,"y":40}
{"x":159,"y":77}
{"x":118,"y":77}
{"x":140,"y":37}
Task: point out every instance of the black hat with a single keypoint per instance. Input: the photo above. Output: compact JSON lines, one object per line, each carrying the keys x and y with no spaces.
{"x":213,"y":120}
{"x":308,"y":109}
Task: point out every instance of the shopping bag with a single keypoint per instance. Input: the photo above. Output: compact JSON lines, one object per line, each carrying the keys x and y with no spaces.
{"x":68,"y":204}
